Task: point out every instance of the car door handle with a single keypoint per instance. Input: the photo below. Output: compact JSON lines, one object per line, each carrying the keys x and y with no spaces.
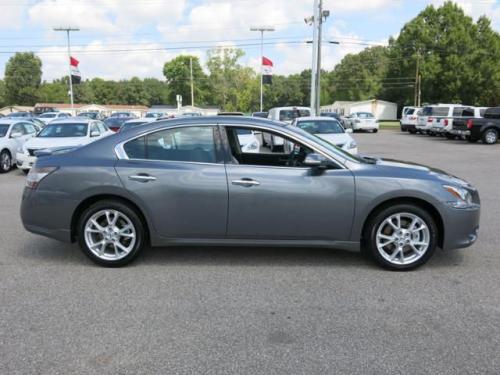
{"x":142,"y":178}
{"x":247,"y":182}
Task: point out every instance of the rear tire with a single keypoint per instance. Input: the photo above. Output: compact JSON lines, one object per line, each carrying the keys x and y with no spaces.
{"x":400,"y":247}
{"x":5,"y":161}
{"x":375,"y":130}
{"x":111,"y":233}
{"x":490,"y":136}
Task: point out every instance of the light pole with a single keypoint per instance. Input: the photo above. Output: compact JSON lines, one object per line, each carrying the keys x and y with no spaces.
{"x":262,"y":29}
{"x":68,"y":29}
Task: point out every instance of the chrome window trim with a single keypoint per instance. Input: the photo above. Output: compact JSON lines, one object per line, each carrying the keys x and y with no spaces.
{"x":122,"y":155}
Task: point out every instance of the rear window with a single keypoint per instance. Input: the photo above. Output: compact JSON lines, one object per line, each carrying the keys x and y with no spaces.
{"x":364,"y":115}
{"x":291,"y":114}
{"x":440,"y":111}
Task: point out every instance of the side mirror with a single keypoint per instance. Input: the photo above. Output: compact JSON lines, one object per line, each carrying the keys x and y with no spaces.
{"x":316,"y":161}
{"x":349,"y":131}
{"x":16,"y":135}
{"x":95,"y":133}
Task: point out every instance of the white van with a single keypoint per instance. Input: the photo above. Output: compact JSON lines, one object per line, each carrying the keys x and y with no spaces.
{"x":285,"y":115}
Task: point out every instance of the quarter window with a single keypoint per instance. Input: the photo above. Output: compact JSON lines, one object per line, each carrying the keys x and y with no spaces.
{"x":194,"y":144}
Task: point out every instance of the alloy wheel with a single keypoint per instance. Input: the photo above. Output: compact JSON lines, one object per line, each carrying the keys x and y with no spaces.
{"x":5,"y":161}
{"x":110,"y":234}
{"x":403,"y":238}
{"x":491,"y":137}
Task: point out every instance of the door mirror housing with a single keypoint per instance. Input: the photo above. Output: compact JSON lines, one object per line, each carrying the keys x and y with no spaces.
{"x":95,"y":133}
{"x":316,"y":161}
{"x":16,"y":134}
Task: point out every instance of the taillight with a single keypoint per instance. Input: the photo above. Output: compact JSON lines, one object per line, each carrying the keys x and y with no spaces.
{"x":470,"y":123}
{"x":445,"y":122}
{"x":430,"y":119}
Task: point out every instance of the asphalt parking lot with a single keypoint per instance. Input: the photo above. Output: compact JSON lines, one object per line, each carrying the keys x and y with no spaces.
{"x":257,"y":311}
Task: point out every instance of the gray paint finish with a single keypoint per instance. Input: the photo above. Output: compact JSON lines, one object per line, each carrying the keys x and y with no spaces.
{"x":196,"y":203}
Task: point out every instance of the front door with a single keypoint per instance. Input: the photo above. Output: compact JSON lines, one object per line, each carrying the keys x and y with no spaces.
{"x":176,"y":176}
{"x":272,"y":196}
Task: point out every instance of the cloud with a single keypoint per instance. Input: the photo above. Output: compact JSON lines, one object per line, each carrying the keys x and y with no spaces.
{"x":11,"y":14}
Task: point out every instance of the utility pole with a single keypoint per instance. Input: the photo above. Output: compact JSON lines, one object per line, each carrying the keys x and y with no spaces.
{"x":417,"y":83}
{"x":419,"y":104}
{"x":317,"y":21}
{"x":192,"y":84}
{"x":262,"y":29}
{"x":68,"y":29}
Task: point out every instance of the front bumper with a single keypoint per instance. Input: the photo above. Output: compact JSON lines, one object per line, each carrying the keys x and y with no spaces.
{"x":25,"y":161}
{"x":461,"y":226}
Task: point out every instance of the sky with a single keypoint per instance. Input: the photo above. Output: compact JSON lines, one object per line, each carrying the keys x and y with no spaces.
{"x":120,"y":39}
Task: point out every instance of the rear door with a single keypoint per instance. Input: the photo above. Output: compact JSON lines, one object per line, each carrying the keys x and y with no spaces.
{"x":178,"y":176}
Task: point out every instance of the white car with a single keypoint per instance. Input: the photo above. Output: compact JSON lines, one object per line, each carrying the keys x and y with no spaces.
{"x":248,"y":141}
{"x":330,"y":130}
{"x":425,"y":121}
{"x":51,"y":116}
{"x":362,"y":121}
{"x":285,"y":115}
{"x":60,"y":134}
{"x":14,"y":132}
{"x":444,"y":124}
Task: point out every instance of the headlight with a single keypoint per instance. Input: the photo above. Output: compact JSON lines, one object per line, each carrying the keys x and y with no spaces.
{"x":38,"y":174}
{"x":353,"y":144}
{"x":463,"y":198}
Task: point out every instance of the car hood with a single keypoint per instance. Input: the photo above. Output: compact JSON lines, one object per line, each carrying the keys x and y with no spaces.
{"x":336,"y":139}
{"x":41,"y":142}
{"x":407,"y":169}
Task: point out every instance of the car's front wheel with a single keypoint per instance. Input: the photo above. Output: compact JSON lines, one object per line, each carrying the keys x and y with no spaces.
{"x":5,"y":161}
{"x":401,"y":237}
{"x":111,"y":233}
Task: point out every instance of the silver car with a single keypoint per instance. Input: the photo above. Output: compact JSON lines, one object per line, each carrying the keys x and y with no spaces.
{"x":189,"y":182}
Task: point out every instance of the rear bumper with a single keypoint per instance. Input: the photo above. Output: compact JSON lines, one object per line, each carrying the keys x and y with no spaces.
{"x":460,"y":132}
{"x":461,"y":226}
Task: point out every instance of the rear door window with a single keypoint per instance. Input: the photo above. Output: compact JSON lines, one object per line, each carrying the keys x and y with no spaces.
{"x":440,"y":111}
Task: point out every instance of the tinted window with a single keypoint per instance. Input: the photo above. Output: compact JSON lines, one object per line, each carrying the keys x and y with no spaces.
{"x":3,"y":130}
{"x":194,"y":144}
{"x":492,"y":112}
{"x":364,"y":115}
{"x":48,"y":115}
{"x":440,"y":111}
{"x":63,"y":130}
{"x":321,"y":127}
{"x":427,"y":111}
{"x":481,"y":112}
{"x":291,"y":114}
{"x":459,"y":111}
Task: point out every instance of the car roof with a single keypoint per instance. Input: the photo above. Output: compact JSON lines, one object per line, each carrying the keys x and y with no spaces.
{"x":10,"y":120}
{"x":72,"y":120}
{"x":313,"y":118}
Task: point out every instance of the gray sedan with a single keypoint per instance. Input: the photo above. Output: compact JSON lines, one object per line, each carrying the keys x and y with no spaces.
{"x":189,"y":182}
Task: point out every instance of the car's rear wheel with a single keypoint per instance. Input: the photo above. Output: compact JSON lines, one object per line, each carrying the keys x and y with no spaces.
{"x":375,"y":130}
{"x":111,"y":233}
{"x":490,"y":136}
{"x":5,"y":161}
{"x":401,"y":237}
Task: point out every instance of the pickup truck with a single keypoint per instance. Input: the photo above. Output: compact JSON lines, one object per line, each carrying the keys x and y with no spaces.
{"x":444,"y":125}
{"x":486,"y":129}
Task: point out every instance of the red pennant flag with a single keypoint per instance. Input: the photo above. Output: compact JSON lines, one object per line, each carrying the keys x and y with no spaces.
{"x":73,"y":61}
{"x":75,"y":72}
{"x":266,"y":61}
{"x":267,"y":71}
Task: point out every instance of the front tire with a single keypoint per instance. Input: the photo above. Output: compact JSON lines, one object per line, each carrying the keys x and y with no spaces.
{"x":401,"y":237}
{"x":111,"y":233}
{"x":5,"y":161}
{"x":490,"y":136}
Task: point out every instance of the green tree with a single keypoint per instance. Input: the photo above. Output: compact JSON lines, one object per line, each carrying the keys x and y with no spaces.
{"x":178,"y":75}
{"x":458,"y":58}
{"x":54,"y":92}
{"x":23,"y":75}
{"x":3,"y":100}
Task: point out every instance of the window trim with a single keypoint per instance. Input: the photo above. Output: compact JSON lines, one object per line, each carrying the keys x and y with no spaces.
{"x":122,"y":155}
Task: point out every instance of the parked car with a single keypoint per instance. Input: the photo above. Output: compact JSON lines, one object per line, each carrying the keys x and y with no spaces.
{"x":136,"y":122}
{"x":441,"y":125}
{"x":231,"y":114}
{"x":426,"y":117}
{"x":334,"y":115}
{"x":409,"y":119}
{"x":486,"y":129}
{"x":191,"y":114}
{"x":19,"y":114}
{"x":39,"y":124}
{"x":14,"y":133}
{"x":187,"y":182}
{"x":330,"y":130}
{"x":154,"y":114}
{"x":362,"y":121}
{"x":285,"y":115}
{"x":60,"y":134}
{"x":128,"y":115}
{"x":93,"y":115}
{"x":260,"y":114}
{"x":48,"y":117}
{"x":114,"y":123}
{"x":288,"y":114}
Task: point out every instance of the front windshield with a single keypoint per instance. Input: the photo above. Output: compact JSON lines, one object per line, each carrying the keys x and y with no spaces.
{"x":321,"y":127}
{"x":48,"y":115}
{"x":3,"y":130}
{"x":63,"y":131}
{"x":329,"y":146}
